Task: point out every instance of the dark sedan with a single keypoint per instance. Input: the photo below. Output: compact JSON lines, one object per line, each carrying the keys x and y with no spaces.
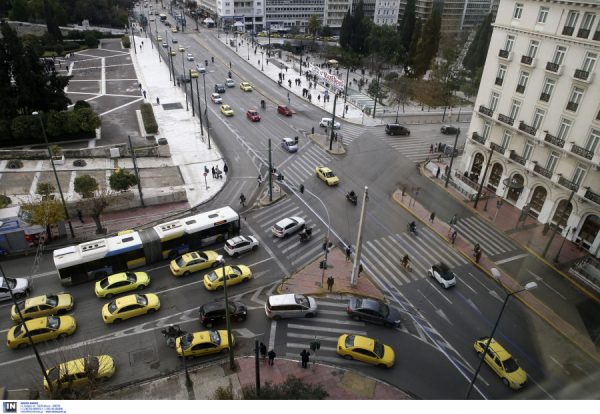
{"x":373,"y":311}
{"x":219,"y":88}
{"x":449,"y":129}
{"x":213,"y":313}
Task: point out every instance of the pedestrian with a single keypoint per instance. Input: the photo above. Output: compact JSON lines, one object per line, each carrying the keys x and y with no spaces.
{"x":348,"y":251}
{"x":476,"y":248}
{"x":330,"y":282}
{"x":144,"y":94}
{"x":140,"y":86}
{"x":80,"y":216}
{"x":319,"y":98}
{"x":580,"y":245}
{"x":447,"y":168}
{"x":431,"y":149}
{"x":230,"y":64}
{"x":225,"y":168}
{"x":346,"y":108}
{"x":263,"y":350}
{"x":259,"y":180}
{"x":435,"y":149}
{"x":454,"y":236}
{"x":478,"y":256}
{"x":360,"y":269}
{"x":304,"y":354}
{"x":242,"y":200}
{"x":205,"y":169}
{"x":272,"y":356}
{"x":158,"y":101}
{"x":432,"y":217}
{"x":437,"y":173}
{"x":286,"y":69}
{"x":213,"y":171}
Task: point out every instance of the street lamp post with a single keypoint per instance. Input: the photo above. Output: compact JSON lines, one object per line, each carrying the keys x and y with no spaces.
{"x":528,"y":286}
{"x":206,"y":108}
{"x":376,"y":93}
{"x":187,"y":107}
{"x":221,"y":261}
{"x":56,"y":175}
{"x":262,"y":60}
{"x":199,"y":107}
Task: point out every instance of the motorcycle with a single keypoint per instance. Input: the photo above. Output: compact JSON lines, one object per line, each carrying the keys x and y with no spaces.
{"x":229,"y":75}
{"x":352,"y":199}
{"x":412,"y":230}
{"x":305,"y":235}
{"x":263,"y":104}
{"x":170,"y":337}
{"x":206,"y":63}
{"x":406,"y":265}
{"x":213,"y":59}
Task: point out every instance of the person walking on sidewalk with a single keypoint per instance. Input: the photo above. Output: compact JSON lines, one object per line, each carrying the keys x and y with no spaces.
{"x":213,"y":171}
{"x":242,"y":200}
{"x":454,"y":235}
{"x":157,"y":101}
{"x":360,"y":269}
{"x":304,"y":354}
{"x":144,"y":94}
{"x":263,"y":350}
{"x":225,"y":168}
{"x":478,"y":256}
{"x":272,"y":356}
{"x":432,"y":217}
{"x":348,"y":251}
{"x":431,"y":149}
{"x":330,"y":283}
{"x":80,"y":216}
{"x":259,"y":180}
{"x":476,"y":248}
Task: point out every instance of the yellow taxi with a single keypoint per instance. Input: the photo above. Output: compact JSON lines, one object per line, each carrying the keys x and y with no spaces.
{"x":246,"y":86}
{"x":42,"y":306}
{"x":174,"y":30}
{"x":181,"y":49}
{"x":235,"y":275}
{"x":130,"y":306}
{"x":79,"y":372}
{"x":327,"y":175}
{"x":239,"y":32}
{"x":121,"y":282}
{"x":502,"y":363}
{"x":194,"y":73}
{"x":41,"y":329}
{"x":262,"y":35}
{"x":203,"y":343}
{"x":152,"y":19}
{"x":366,"y":349}
{"x":172,"y":52}
{"x":226,"y":109}
{"x":275,"y":35}
{"x":159,"y":38}
{"x":194,"y":261}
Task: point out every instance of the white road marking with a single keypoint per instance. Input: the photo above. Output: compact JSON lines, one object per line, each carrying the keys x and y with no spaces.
{"x":272,"y":334}
{"x":539,"y":279}
{"x":510,"y":259}
{"x":325,"y":329}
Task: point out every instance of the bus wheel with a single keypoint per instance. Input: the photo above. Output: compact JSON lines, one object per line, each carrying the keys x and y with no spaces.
{"x":173,"y":254}
{"x":220,"y":239}
{"x":100,"y":275}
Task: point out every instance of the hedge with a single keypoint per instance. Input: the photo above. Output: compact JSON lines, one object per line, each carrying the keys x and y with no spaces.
{"x":126,"y":42}
{"x":67,"y":46}
{"x":148,"y":117}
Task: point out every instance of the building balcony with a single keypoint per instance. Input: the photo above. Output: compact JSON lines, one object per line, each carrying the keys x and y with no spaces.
{"x":568,"y":31}
{"x":568,"y":184}
{"x":554,"y":68}
{"x":544,"y":97}
{"x":488,"y":111}
{"x":527,"y":129}
{"x":499,"y":81}
{"x":597,"y":35}
{"x":583,"y":33}
{"x":497,"y":148}
{"x":507,"y":120}
{"x":572,"y":106}
{"x":542,"y":171}
{"x":243,"y":10}
{"x":583,"y":76}
{"x":529,"y":61}
{"x":521,"y":88}
{"x":505,"y":54}
{"x":517,"y":158}
{"x":554,"y":140}
{"x":577,"y":150}
{"x":592,"y":196}
{"x":478,"y":138}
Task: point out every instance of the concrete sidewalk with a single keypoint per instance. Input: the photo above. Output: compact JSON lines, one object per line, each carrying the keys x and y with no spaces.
{"x":340,"y":383}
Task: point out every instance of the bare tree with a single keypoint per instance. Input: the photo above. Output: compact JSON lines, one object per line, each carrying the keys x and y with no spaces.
{"x":96,"y":204}
{"x":402,"y":91}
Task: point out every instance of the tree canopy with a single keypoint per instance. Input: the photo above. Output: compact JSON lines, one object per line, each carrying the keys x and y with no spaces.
{"x":428,"y":43}
{"x":477,"y":52}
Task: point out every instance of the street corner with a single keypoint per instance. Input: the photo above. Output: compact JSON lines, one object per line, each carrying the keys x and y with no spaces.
{"x":322,"y":141}
{"x":278,"y":194}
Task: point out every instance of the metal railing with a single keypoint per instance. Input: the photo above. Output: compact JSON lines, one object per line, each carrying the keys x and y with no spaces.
{"x":520,"y":88}
{"x":576,"y":149}
{"x":513,"y":156}
{"x":554,"y":140}
{"x":544,"y":97}
{"x":568,"y":31}
{"x":572,"y":106}
{"x":478,"y":138}
{"x":528,"y":129}
{"x":590,"y":195}
{"x":504,"y":53}
{"x":542,"y":171}
{"x":568,"y":184}
{"x":488,"y":111}
{"x":552,"y":67}
{"x":581,"y":74}
{"x":527,"y":60}
{"x":499,"y":81}
{"x":506,"y":119}
{"x":583,"y":33}
{"x":497,"y":148}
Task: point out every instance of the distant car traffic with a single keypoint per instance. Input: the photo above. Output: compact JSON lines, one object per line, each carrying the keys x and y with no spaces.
{"x":174,"y":40}
{"x":219,"y":88}
{"x":287,"y":226}
{"x":181,"y":49}
{"x":289,"y":145}
{"x":326,"y":122}
{"x":395,"y":129}
{"x":226,"y":110}
{"x":373,"y":311}
{"x":253,"y":115}
{"x":283,"y":109}
{"x":194,"y":73}
{"x":240,"y":244}
{"x":245,"y":86}
{"x":230,"y":83}
{"x":190,"y":57}
{"x":200,"y":68}
{"x":449,"y":129}
{"x":327,"y":175}
{"x":165,"y":44}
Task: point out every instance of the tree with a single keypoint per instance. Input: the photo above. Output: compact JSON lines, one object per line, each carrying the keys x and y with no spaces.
{"x":477,"y":52}
{"x":46,"y":211}
{"x":60,"y":15}
{"x":91,"y":41}
{"x":428,"y":44}
{"x":95,"y":204}
{"x":385,"y":42}
{"x":360,"y":28}
{"x":20,"y":11}
{"x":314,"y":25}
{"x":346,"y":30}
{"x":373,"y":90}
{"x":85,"y":186}
{"x":122,"y":180}
{"x":326,"y":31}
{"x":51,"y":24}
{"x":59,"y":49}
{"x":407,"y":27}
{"x":402,"y":91}
{"x":430,"y":93}
{"x":44,"y":189}
{"x":412,"y":51}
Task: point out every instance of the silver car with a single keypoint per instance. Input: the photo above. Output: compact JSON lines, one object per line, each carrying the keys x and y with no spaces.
{"x":200,"y":68}
{"x":19,"y":287}
{"x":230,"y":83}
{"x":443,"y":274}
{"x":289,"y":145}
{"x":287,"y":226}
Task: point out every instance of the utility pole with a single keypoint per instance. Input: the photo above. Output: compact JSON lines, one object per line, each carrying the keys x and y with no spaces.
{"x":270,"y":174}
{"x":332,"y":123}
{"x":199,"y":107}
{"x":205,"y":109}
{"x":172,"y":68}
{"x":562,"y":215}
{"x":187,"y":106}
{"x":301,"y":50}
{"x":256,"y":367}
{"x":346,"y":91}
{"x":229,"y":338}
{"x":192,"y":92}
{"x":452,"y":158}
{"x":483,"y":178}
{"x":137,"y":175}
{"x":357,"y":253}
{"x":376,"y":94}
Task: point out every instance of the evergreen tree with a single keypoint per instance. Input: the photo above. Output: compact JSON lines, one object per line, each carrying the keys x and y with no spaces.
{"x":412,"y":50}
{"x":60,"y":15}
{"x":51,"y":24}
{"x":346,"y":31}
{"x":359,"y":34}
{"x":20,"y":11}
{"x":484,"y":43}
{"x":407,"y":27}
{"x":428,"y":44}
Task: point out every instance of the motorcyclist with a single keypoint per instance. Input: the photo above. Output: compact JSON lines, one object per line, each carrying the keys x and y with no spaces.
{"x":352,"y":194}
{"x":413,"y":226}
{"x":229,"y":75}
{"x":172,"y":331}
{"x":212,"y":59}
{"x":262,"y":103}
{"x":206,"y":62}
{"x":405,"y":260}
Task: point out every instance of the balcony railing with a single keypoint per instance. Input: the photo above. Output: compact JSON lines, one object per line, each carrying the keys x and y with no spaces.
{"x":597,"y":35}
{"x":497,"y":148}
{"x":568,"y":184}
{"x":542,"y":171}
{"x":583,"y":33}
{"x":581,"y":74}
{"x":513,"y":156}
{"x":592,"y":196}
{"x":499,"y":81}
{"x":506,"y":119}
{"x":576,"y":149}
{"x":528,"y":129}
{"x":488,"y":111}
{"x":554,"y":140}
{"x":544,"y":97}
{"x":572,"y":106}
{"x":552,"y":67}
{"x":521,"y":88}
{"x":568,"y":31}
{"x":504,"y":54}
{"x":527,"y":60}
{"x":478,"y":138}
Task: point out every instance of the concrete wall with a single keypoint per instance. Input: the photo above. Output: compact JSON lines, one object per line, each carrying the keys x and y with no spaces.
{"x":97,"y":152}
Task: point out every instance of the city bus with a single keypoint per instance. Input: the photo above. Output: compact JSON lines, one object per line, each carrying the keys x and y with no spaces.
{"x":163,"y":17}
{"x":131,"y":249}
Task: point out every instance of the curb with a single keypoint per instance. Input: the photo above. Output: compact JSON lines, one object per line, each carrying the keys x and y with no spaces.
{"x":268,"y":203}
{"x":311,"y":136}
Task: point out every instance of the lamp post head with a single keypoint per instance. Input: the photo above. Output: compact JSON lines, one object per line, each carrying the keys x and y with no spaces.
{"x":531,"y":286}
{"x":496,"y":274}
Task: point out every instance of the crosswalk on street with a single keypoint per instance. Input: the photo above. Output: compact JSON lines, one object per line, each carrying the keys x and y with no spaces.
{"x":413,"y":147}
{"x":474,"y":230}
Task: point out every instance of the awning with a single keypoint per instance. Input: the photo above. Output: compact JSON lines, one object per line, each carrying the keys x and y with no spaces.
{"x":332,"y":61}
{"x":208,"y":20}
{"x":239,"y":24}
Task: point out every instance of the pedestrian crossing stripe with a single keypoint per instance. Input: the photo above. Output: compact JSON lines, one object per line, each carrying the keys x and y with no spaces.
{"x":475,"y":230}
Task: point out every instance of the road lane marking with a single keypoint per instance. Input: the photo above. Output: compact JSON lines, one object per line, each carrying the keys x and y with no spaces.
{"x":325,"y":329}
{"x":510,"y":259}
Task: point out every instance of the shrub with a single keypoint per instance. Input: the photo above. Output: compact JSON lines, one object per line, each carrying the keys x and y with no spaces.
{"x":54,"y":124}
{"x":70,"y":46}
{"x":390,"y":77}
{"x":122,"y":180}
{"x":5,"y":132}
{"x":91,"y":41}
{"x":59,"y":49}
{"x":71,"y":122}
{"x":85,"y":186}
{"x":126,"y":42}
{"x":26,"y":127}
{"x":148,"y":117}
{"x":81,"y":104}
{"x":87,"y":120}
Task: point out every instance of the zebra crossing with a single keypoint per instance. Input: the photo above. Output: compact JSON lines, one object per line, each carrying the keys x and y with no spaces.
{"x":349,"y":132}
{"x":303,"y":165}
{"x":414,"y":148}
{"x":475,"y":230}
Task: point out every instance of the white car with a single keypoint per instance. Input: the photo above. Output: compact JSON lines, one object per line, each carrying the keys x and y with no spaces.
{"x":230,"y":83}
{"x":287,"y":226}
{"x":190,"y":56}
{"x":19,"y":287}
{"x":240,"y":244}
{"x":442,"y":273}
{"x":326,"y":122}
{"x":216,"y":98}
{"x":200,"y":68}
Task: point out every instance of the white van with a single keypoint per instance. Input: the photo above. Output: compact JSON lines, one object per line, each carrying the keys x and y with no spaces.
{"x":290,"y":306}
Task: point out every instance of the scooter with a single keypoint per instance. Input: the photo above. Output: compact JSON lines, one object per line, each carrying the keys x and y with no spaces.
{"x":305,"y":235}
{"x":411,"y":230}
{"x":406,"y":265}
{"x":171,"y":337}
{"x":263,"y":104}
{"x":352,"y":199}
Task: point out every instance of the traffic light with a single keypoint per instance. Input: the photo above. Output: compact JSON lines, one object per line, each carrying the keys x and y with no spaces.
{"x":325,"y":245}
{"x":315,"y":345}
{"x":322,"y":264}
{"x":273,"y":170}
{"x":302,"y":188}
{"x":280,"y":177}
{"x":295,"y":140}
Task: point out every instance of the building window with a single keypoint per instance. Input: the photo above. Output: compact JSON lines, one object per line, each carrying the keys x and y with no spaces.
{"x":579,"y":174}
{"x":538,"y":199}
{"x":495,"y":98}
{"x":552,"y":161}
{"x":514,"y":109}
{"x":518,"y":11}
{"x":575,"y":99}
{"x":538,"y":118}
{"x":500,"y":75}
{"x":523,"y":82}
{"x":564,"y":129}
{"x":506,"y":139}
{"x":589,"y":62}
{"x":572,"y":19}
{"x":559,"y":55}
{"x":528,"y":149}
{"x":487,"y":128}
{"x":593,"y":139}
{"x":562,"y":207}
{"x":543,"y":14}
{"x":496,"y":175}
{"x":533,"y":49}
{"x":510,"y":42}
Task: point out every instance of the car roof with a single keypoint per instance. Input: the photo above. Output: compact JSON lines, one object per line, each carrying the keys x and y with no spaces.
{"x":287,"y":299}
{"x":38,"y":300}
{"x":499,"y":350}
{"x":369,"y":304}
{"x":238,"y":239}
{"x":287,"y":140}
{"x":117,"y":278}
{"x":284,"y":222}
{"x":126,"y":301}
{"x":446,"y":126}
{"x":229,"y":80}
{"x":254,"y":110}
{"x":326,"y":169}
{"x":212,"y":306}
{"x":38,"y":323}
{"x":202,"y":337}
{"x":364,"y":342}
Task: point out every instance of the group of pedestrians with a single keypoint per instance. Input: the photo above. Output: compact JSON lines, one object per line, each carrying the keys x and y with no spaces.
{"x":271,"y":354}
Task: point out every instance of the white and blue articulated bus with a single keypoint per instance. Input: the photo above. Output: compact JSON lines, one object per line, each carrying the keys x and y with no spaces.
{"x":131,"y":249}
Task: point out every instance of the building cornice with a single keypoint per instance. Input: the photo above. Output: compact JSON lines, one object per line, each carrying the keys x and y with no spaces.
{"x":547,"y":36}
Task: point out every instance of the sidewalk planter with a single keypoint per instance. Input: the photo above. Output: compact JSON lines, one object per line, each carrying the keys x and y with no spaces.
{"x":59,"y":160}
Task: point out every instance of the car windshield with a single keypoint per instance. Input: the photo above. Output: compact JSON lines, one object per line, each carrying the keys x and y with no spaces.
{"x":18,"y":330}
{"x":510,"y":365}
{"x":203,"y":255}
{"x":219,"y":86}
{"x":252,"y":112}
{"x":12,"y":282}
{"x":215,"y":338}
{"x":141,"y":299}
{"x":131,"y":277}
{"x":379,"y":349}
{"x":277,"y":227}
{"x":302,"y":300}
{"x":112,"y":307}
{"x":53,"y":322}
{"x":186,"y":340}
{"x":104,"y":283}
{"x":216,"y":96}
{"x":236,"y":270}
{"x":384,"y":309}
{"x":52,"y":300}
{"x":285,"y":108}
{"x":212,"y":276}
{"x":180,"y":261}
{"x":349,"y":341}
{"x":329,"y":174}
{"x":53,"y":374}
{"x":226,"y":108}
{"x":20,"y":306}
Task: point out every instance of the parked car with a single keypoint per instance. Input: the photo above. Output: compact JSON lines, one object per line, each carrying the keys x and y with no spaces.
{"x":213,"y":313}
{"x":240,"y":244}
{"x":395,"y":129}
{"x":373,"y":311}
{"x":289,"y":145}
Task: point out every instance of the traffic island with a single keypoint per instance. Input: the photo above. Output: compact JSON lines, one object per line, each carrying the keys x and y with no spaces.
{"x":278,"y":194}
{"x":312,"y":280}
{"x":322,"y":140}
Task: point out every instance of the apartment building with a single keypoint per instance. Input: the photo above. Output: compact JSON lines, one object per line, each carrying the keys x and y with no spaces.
{"x":538,"y":109}
{"x":335,"y":10}
{"x":250,"y":12}
{"x":386,"y":12}
{"x":290,"y":13}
